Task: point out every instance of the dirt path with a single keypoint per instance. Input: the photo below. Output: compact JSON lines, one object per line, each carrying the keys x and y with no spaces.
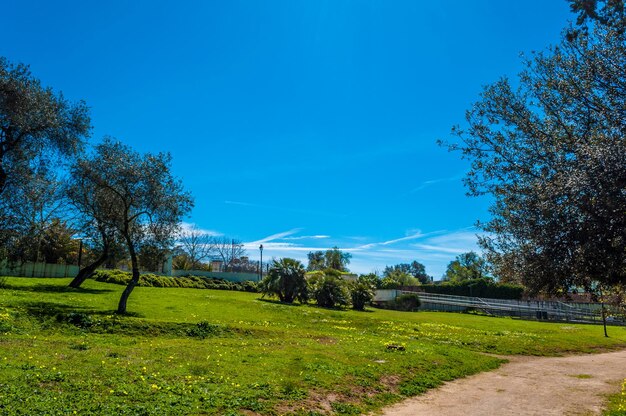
{"x":575,"y":385}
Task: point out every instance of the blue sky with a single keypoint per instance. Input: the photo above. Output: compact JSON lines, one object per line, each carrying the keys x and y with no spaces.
{"x":297,"y":124}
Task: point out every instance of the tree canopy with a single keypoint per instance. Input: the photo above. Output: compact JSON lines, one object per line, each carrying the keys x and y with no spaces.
{"x":330,"y":259}
{"x":146,"y":202}
{"x":35,"y":121}
{"x":467,"y":266}
{"x":415,"y":269}
{"x":286,"y":279}
{"x":551,"y":150}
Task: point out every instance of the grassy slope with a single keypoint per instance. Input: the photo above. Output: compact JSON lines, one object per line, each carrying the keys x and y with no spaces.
{"x":260,"y":357}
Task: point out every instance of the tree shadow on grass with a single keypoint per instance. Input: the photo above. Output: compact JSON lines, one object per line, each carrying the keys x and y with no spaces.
{"x":277,"y":302}
{"x":49,"y":288}
{"x":51,"y":309}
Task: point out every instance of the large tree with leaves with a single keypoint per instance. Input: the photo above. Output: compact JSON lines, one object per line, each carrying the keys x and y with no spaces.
{"x":551,"y":150}
{"x":147,"y":202}
{"x":415,"y":269}
{"x":330,"y":259}
{"x":467,"y":266}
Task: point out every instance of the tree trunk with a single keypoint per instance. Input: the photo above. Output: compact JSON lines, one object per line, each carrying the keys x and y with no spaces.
{"x":121,"y":307}
{"x":604,"y":320}
{"x":86,"y":272}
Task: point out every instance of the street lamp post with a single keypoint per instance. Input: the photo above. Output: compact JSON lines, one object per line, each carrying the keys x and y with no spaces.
{"x":261,"y":263}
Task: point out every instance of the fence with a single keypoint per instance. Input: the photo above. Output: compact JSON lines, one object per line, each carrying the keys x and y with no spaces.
{"x":38,"y":270}
{"x":70,"y":270}
{"x":523,"y":309}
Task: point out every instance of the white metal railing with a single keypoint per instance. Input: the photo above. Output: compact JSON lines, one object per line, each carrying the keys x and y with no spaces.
{"x":548,"y":309}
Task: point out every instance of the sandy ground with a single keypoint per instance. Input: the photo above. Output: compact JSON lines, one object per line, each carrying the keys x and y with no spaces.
{"x":574,"y":385}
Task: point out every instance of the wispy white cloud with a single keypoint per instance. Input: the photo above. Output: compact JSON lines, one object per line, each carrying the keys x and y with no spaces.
{"x":307,"y":237}
{"x":434,"y":249}
{"x":189,"y":226}
{"x":276,"y":236}
{"x":412,"y":235}
{"x":431,"y":182}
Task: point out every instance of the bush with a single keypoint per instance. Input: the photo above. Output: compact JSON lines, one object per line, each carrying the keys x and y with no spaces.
{"x":79,"y":319}
{"x":286,"y":280}
{"x":203,"y":329}
{"x":408,"y":302}
{"x":194,"y":282}
{"x":330,"y":291}
{"x":361,"y":293}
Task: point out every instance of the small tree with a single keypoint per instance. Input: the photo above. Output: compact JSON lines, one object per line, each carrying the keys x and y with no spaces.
{"x":197,"y":246}
{"x":286,"y":280}
{"x":329,"y":289}
{"x":147,"y":202}
{"x":396,"y":278}
{"x":31,"y":208}
{"x":227,"y":249}
{"x":362,"y":293}
{"x":316,"y":261}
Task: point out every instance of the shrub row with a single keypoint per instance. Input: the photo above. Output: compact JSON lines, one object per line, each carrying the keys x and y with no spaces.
{"x":120,"y":277}
{"x":481,"y":288}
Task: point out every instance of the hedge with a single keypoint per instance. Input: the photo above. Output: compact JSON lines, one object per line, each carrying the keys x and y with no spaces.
{"x":120,"y":277}
{"x":481,"y":288}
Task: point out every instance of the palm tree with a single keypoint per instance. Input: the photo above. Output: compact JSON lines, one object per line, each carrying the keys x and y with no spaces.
{"x":286,"y":280}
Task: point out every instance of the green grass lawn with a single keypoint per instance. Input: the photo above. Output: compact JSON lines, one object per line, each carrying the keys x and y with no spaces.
{"x":63,"y":351}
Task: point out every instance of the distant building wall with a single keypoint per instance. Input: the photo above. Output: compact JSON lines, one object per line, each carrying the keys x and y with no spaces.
{"x":386,"y":295}
{"x":38,"y":270}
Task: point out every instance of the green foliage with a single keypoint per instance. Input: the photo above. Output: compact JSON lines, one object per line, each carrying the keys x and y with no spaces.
{"x":286,"y":280}
{"x":37,"y":125}
{"x":361,"y":293}
{"x":371,"y":278}
{"x":549,"y":149}
{"x":329,"y":289}
{"x":617,"y":403}
{"x":467,"y":266}
{"x":120,"y":277}
{"x":409,"y":302}
{"x":79,"y":319}
{"x":415,"y":269}
{"x":330,"y":259}
{"x":146,"y":203}
{"x":203,"y":329}
{"x":481,"y":288}
{"x":396,"y":278}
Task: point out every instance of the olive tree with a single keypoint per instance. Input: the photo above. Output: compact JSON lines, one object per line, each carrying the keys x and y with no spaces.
{"x":147,"y":202}
{"x":96,"y":209}
{"x":551,"y":150}
{"x":34,"y":120}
